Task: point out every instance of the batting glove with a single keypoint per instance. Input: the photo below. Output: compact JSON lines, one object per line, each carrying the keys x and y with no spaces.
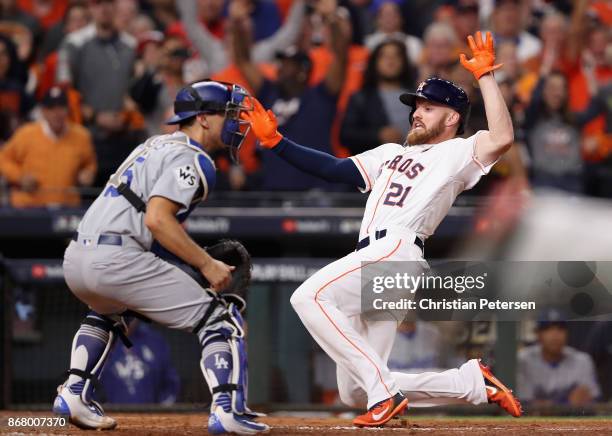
{"x":483,"y":53}
{"x":263,"y":124}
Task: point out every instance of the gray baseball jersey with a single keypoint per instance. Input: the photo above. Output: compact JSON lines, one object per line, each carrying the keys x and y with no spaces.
{"x":171,"y":166}
{"x":540,"y":380}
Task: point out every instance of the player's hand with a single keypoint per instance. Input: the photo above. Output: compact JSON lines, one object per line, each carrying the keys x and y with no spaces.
{"x":264,"y":124}
{"x":483,"y":56}
{"x":579,"y":396}
{"x":218,"y":274}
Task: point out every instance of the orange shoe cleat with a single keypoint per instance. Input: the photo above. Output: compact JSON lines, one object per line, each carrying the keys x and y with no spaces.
{"x":382,"y":412}
{"x":499,"y":394}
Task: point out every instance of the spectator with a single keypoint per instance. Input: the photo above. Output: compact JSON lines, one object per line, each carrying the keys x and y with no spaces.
{"x":514,"y":71}
{"x":599,"y":147}
{"x":140,"y":26}
{"x":552,"y":140}
{"x":143,"y":374}
{"x":215,"y":51}
{"x":599,"y":345}
{"x":417,"y":348}
{"x":46,"y":12}
{"x":389,"y":25}
{"x":375,"y":114}
{"x":45,"y":160}
{"x":126,"y":11}
{"x":76,"y":17}
{"x":440,"y":54}
{"x":507,"y":21}
{"x":98,"y":61}
{"x":114,"y":136}
{"x":551,"y":372}
{"x":418,"y":14}
{"x":298,"y":105}
{"x":14,"y":102}
{"x":158,"y":76}
{"x":554,"y":32}
{"x":466,"y":19}
{"x":206,"y":14}
{"x":11,"y":12}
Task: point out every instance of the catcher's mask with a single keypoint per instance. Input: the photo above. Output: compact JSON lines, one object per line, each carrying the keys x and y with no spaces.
{"x":214,"y":97}
{"x":444,"y":92}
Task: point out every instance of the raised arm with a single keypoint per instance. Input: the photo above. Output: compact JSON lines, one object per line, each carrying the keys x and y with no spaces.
{"x":498,"y":139}
{"x":264,"y":50}
{"x":323,"y":165}
{"x":241,"y":44}
{"x":210,"y":48}
{"x":339,"y":44}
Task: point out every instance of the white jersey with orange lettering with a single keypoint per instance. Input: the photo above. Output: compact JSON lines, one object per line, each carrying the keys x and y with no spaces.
{"x":413,"y":187}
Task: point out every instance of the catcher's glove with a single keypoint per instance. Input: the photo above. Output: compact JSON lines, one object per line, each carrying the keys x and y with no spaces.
{"x":233,"y":253}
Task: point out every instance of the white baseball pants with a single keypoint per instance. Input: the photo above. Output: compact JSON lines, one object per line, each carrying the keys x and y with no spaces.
{"x":329,"y":305}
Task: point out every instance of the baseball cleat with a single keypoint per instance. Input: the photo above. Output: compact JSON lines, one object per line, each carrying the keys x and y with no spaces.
{"x":380,"y":413}
{"x":222,"y":422}
{"x":86,"y":416}
{"x":499,"y":394}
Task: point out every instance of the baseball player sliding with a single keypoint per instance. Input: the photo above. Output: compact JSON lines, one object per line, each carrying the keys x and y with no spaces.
{"x":110,"y":265}
{"x":412,"y":188}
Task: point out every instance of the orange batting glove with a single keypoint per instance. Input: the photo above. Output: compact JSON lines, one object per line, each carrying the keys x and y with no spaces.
{"x":264,"y":124}
{"x":483,"y":56}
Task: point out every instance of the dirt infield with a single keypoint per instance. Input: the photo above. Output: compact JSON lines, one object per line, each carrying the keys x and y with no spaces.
{"x":194,"y":424}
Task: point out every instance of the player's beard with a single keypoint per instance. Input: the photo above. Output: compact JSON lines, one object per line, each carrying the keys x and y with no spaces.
{"x":422,"y":136}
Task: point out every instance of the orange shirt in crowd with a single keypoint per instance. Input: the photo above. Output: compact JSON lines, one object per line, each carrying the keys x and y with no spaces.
{"x":54,"y":162}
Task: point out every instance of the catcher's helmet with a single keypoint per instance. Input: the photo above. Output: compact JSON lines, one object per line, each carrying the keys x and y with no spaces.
{"x":209,"y":97}
{"x":444,"y":92}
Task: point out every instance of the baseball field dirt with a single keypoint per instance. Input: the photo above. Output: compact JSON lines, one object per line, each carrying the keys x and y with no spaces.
{"x":194,"y":424}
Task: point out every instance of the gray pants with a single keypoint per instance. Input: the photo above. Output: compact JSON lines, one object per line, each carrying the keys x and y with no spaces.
{"x":111,"y":279}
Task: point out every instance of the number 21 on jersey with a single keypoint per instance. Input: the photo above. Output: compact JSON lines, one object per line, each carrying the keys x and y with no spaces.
{"x":397,"y":192}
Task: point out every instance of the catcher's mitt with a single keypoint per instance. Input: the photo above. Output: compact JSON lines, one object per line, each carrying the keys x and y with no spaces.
{"x":233,"y":253}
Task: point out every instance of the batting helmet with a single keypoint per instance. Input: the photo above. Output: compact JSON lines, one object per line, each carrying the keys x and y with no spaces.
{"x":215,"y":97}
{"x":444,"y":92}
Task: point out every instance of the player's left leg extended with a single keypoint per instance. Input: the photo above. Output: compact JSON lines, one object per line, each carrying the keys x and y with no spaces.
{"x":472,"y":383}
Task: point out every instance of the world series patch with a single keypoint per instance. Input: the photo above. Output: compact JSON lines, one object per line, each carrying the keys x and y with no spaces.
{"x":185,"y":176}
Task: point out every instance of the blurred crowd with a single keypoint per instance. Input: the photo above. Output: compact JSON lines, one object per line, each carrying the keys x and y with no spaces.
{"x":82,"y":82}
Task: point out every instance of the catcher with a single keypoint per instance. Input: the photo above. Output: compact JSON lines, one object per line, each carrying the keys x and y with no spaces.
{"x":114,"y":262}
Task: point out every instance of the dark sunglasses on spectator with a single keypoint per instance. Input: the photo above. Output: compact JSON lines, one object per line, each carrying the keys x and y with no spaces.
{"x":98,"y":2}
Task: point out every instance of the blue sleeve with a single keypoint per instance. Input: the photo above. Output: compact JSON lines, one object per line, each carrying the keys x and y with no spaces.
{"x":317,"y":163}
